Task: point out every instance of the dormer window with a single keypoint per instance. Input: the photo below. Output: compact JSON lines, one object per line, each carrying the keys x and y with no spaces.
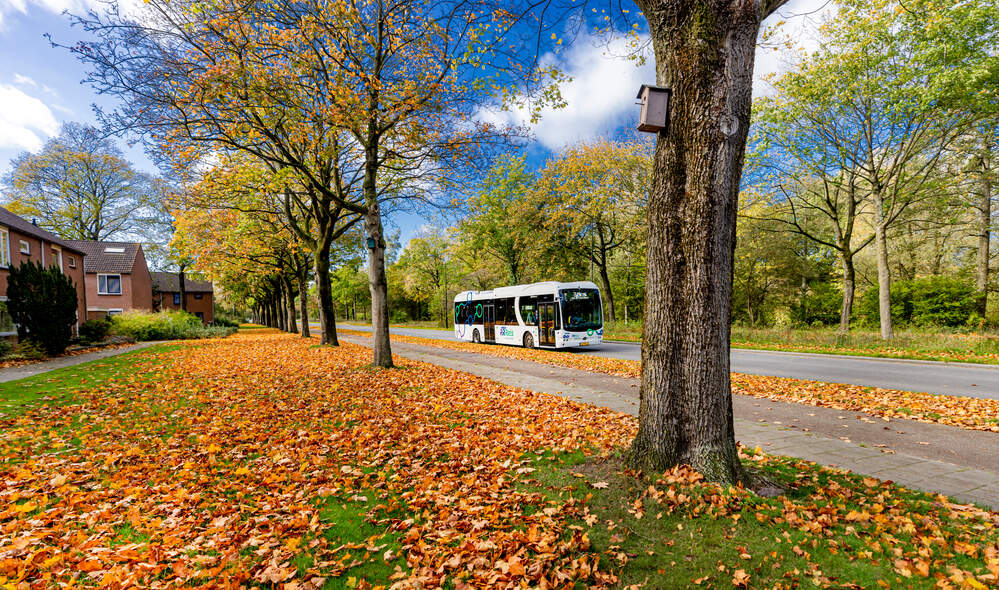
{"x":114,"y":250}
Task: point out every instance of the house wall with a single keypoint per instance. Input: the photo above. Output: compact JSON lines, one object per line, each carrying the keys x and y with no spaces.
{"x":41,"y":251}
{"x":142,"y":282}
{"x":205,"y":305}
{"x":99,"y":305}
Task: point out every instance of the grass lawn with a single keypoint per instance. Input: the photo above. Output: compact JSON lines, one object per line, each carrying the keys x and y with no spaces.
{"x":261,"y":460}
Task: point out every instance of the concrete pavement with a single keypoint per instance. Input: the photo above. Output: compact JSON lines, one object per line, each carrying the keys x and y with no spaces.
{"x":925,"y":376}
{"x":930,"y":457}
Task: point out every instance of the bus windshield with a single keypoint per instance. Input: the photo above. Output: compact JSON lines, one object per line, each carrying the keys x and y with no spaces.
{"x":581,"y":309}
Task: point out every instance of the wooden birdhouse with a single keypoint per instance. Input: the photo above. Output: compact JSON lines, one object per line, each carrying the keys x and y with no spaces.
{"x":654,"y":117}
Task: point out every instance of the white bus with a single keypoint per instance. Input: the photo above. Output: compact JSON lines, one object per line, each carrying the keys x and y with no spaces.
{"x":550,"y":315}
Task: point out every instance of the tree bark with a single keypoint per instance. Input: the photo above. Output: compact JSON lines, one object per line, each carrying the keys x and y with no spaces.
{"x":181,"y":285}
{"x":849,"y":288}
{"x":327,"y":313}
{"x":884,"y":271}
{"x":704,"y":51}
{"x":378,"y":286}
{"x":984,"y":236}
{"x":289,"y":291}
{"x":303,"y":302}
{"x":605,"y":280}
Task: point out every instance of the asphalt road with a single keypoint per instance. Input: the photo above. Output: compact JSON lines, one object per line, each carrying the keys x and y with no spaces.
{"x":928,"y":376}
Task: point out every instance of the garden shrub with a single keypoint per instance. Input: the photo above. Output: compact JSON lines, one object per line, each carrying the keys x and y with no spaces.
{"x":95,"y":330}
{"x":42,"y":302}
{"x":165,"y":325}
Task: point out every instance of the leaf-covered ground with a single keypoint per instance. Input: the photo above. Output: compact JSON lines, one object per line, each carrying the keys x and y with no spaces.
{"x":265,"y":459}
{"x":965,"y":412}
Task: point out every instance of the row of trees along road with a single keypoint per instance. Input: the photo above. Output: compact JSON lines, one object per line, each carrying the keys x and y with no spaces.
{"x":316,"y":115}
{"x":581,"y":214}
{"x":887,"y":131}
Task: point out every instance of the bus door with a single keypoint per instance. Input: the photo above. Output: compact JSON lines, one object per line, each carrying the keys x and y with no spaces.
{"x":489,"y":322}
{"x":546,"y":324}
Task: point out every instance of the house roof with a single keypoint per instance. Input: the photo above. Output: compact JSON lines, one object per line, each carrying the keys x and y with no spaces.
{"x":169,"y":282}
{"x":110,"y":257}
{"x":24,"y":226}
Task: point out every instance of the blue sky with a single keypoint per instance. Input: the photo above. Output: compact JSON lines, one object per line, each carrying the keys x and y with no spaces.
{"x":40,"y":86}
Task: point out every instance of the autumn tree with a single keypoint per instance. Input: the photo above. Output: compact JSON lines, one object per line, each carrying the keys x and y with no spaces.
{"x":593,"y":200}
{"x":424,"y":266}
{"x":80,"y":186}
{"x":500,"y":220}
{"x":362,"y":102}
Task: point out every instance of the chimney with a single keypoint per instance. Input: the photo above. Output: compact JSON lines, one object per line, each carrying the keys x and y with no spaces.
{"x":34,"y":222}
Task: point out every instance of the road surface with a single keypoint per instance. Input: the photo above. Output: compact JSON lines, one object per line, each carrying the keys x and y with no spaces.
{"x":908,"y":375}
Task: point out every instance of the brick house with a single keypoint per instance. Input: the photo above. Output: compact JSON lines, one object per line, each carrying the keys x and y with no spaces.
{"x":21,"y":241}
{"x":200,"y":295}
{"x":117,"y":277}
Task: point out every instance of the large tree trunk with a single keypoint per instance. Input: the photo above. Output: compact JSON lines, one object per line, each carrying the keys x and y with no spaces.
{"x":884,"y":271}
{"x":849,"y":288}
{"x":289,"y":298}
{"x":378,"y":286}
{"x":303,"y":303}
{"x":704,"y":50}
{"x":327,"y":312}
{"x":279,"y":307}
{"x":606,"y":285}
{"x":984,"y":239}
{"x":181,"y":282}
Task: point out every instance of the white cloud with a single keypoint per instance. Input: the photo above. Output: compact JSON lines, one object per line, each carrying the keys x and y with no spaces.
{"x":601,"y":95}
{"x":22,"y":119}
{"x":8,"y":7}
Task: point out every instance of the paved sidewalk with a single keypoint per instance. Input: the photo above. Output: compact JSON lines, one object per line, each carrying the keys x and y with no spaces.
{"x":14,"y":373}
{"x":963,"y":466}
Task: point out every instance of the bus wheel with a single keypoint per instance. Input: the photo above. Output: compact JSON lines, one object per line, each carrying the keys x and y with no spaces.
{"x":528,"y":340}
{"x":475,"y":336}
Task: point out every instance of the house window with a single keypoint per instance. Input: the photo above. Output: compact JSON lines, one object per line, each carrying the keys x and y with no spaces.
{"x":25,"y":248}
{"x":198,"y":295}
{"x":109,"y":284}
{"x":72,"y":261}
{"x":200,"y":315}
{"x":176,"y":298}
{"x":4,"y":247}
{"x":115,"y":311}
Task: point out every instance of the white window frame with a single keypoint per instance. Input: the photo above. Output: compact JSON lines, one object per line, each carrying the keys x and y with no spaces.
{"x":72,"y":261}
{"x":25,"y":247}
{"x":4,"y":247}
{"x":105,"y":291}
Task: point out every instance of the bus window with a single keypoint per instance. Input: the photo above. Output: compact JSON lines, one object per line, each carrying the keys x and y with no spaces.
{"x":529,"y":310}
{"x":581,"y":309}
{"x":501,"y":310}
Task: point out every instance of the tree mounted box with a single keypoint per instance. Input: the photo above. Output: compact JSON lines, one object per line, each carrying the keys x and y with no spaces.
{"x":654,"y":117}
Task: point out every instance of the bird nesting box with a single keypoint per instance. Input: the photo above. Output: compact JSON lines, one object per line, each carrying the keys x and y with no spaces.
{"x":654,"y":117}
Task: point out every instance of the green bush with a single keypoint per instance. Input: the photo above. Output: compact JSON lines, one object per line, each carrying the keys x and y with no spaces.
{"x":42,"y":302}
{"x":95,"y":330}
{"x":822,"y":305}
{"x":225,"y":322}
{"x":929,"y":301}
{"x":26,"y":351}
{"x":165,"y":325}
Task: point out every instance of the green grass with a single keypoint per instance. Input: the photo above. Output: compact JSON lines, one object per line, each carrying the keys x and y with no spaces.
{"x":671,"y":549}
{"x":60,"y":386}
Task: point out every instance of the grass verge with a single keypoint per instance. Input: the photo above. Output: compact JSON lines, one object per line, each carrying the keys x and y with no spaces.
{"x":829,"y":529}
